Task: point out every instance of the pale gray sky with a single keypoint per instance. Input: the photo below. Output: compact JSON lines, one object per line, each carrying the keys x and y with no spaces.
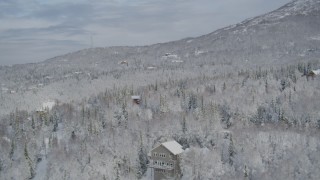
{"x":35,"y":30}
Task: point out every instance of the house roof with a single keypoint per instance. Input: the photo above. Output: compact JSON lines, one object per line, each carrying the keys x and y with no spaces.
{"x":174,"y":147}
{"x":316,"y":72}
{"x":135,"y":97}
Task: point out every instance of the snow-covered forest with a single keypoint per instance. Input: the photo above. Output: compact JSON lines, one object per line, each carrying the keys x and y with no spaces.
{"x":237,"y":100}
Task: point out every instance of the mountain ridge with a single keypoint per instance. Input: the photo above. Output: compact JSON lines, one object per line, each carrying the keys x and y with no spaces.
{"x":293,"y":8}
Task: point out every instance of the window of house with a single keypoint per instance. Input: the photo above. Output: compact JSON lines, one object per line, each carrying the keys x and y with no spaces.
{"x":171,"y":164}
{"x":163,"y":155}
{"x":155,"y":154}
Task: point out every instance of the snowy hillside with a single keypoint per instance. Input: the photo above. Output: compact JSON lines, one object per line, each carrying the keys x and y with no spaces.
{"x":240,"y":100}
{"x":288,"y":35}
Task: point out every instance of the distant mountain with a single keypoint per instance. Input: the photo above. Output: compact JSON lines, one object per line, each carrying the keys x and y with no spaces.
{"x":287,"y":35}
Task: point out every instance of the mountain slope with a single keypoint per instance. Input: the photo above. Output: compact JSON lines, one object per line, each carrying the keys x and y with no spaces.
{"x":294,"y":26}
{"x":287,"y":35}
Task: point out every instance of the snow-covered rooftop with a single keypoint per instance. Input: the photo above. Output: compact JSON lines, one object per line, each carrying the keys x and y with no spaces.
{"x":174,"y":147}
{"x":316,"y":72}
{"x":135,"y":97}
{"x":47,"y":105}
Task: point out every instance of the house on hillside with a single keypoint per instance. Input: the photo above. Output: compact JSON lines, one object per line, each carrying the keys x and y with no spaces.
{"x":165,"y":161}
{"x":136,"y":99}
{"x":316,"y":72}
{"x":124,"y":63}
{"x":312,"y":74}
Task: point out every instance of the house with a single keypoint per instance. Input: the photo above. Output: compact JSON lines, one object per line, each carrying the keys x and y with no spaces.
{"x":165,"y":161}
{"x":151,"y":67}
{"x":312,"y":74}
{"x":136,"y":99}
{"x":46,"y":106}
{"x":124,"y":62}
{"x":316,"y":72}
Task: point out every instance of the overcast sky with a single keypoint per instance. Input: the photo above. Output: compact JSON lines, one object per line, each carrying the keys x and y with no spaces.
{"x":35,"y":30}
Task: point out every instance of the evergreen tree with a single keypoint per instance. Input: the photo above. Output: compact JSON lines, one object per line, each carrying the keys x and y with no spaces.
{"x":156,"y":86}
{"x":29,"y":161}
{"x":125,"y":114}
{"x":231,"y":151}
{"x":12,"y":149}
{"x":142,"y":160}
{"x":163,"y":104}
{"x":117,"y":174}
{"x":225,"y":116}
{"x":121,"y":116}
{"x":192,"y":102}
{"x":224,"y":87}
{"x":33,"y":126}
{"x":55,"y":121}
{"x":266,"y":85}
{"x":184,"y":125}
{"x":1,"y":165}
{"x":82,"y":113}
